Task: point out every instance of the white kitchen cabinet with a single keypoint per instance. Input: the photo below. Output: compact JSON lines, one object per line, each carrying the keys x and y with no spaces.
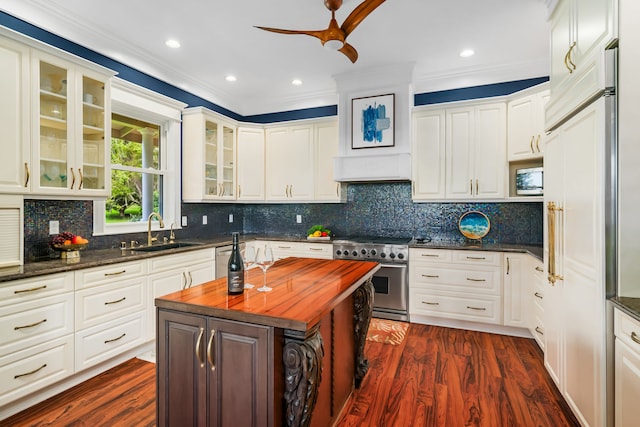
{"x":514,"y":289}
{"x":428,"y":155}
{"x":171,"y":273}
{"x":575,"y":295}
{"x":14,"y":117}
{"x":460,"y":285}
{"x":536,"y":285}
{"x":580,"y":30}
{"x":626,"y":369}
{"x":284,"y":249}
{"x":208,"y":157}
{"x":70,"y":127}
{"x":325,"y":143}
{"x":251,"y":167}
{"x":525,"y":126}
{"x":289,"y":163}
{"x":476,"y":138}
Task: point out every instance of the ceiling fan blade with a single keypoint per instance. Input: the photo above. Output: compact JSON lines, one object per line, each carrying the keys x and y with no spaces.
{"x":358,"y":14}
{"x":312,"y":33}
{"x":350,"y":52}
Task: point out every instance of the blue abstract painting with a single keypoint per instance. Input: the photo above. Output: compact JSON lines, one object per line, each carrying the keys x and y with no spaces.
{"x":373,"y":121}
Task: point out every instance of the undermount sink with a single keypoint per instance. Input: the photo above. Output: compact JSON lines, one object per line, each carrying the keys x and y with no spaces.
{"x":165,"y":246}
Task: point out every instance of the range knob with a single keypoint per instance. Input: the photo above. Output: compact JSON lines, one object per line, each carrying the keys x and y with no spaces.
{"x":354,"y":253}
{"x":338,"y":252}
{"x":400,"y":256}
{"x":383,"y":255}
{"x":373,"y":252}
{"x":392,"y":255}
{"x":363,"y":251}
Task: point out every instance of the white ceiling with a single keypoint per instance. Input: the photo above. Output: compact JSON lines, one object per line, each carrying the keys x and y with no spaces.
{"x":510,"y":38}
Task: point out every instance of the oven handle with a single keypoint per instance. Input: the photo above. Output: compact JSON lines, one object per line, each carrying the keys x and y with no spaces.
{"x":393,"y":265}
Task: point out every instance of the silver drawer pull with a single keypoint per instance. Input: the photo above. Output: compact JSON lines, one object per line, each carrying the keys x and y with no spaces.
{"x":316,"y":249}
{"x":15,"y":377}
{"x":116,"y":273}
{"x":635,"y":338}
{"x":430,"y":303}
{"x":537,"y":295}
{"x":476,"y":308}
{"x":538,"y":330}
{"x":540,"y":269}
{"x":476,"y":257}
{"x":431,"y":276}
{"x":115,"y":339}
{"x":17,"y":328}
{"x":22,"y":291}
{"x":431,"y":255}
{"x":115,"y":302}
{"x":476,"y":280}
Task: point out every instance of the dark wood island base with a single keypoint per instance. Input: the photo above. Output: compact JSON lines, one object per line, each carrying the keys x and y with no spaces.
{"x":288,"y":357}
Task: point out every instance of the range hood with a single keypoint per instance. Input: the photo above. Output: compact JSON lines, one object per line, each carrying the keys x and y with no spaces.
{"x":375,"y":163}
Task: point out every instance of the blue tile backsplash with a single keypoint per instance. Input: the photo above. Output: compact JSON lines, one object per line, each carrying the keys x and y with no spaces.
{"x":381,"y":209}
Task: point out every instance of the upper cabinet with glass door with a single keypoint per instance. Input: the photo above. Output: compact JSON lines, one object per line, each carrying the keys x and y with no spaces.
{"x":208,"y":157}
{"x":70,"y":133}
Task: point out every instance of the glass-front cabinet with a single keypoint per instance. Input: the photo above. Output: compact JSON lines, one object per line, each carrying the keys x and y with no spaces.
{"x":70,"y":144}
{"x":208,"y":156}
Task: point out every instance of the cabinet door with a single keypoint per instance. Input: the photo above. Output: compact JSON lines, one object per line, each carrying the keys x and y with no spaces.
{"x":278,"y":159}
{"x":227,"y":160}
{"x":251,"y":164}
{"x":428,"y":155}
{"x":289,"y":163}
{"x":515,"y":290}
{"x":239,"y":373}
{"x":200,"y":273}
{"x":490,"y":151}
{"x":627,"y":385}
{"x":521,"y":130}
{"x":14,"y":117}
{"x":211,"y":160}
{"x":325,"y":149}
{"x":561,"y":39}
{"x":181,"y":370}
{"x":460,"y":152}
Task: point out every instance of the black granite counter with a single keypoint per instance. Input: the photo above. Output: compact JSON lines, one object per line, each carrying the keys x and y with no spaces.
{"x":95,"y":258}
{"x":629,"y":305}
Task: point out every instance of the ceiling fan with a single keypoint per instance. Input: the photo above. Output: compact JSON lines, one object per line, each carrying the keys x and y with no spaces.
{"x":334,"y":37}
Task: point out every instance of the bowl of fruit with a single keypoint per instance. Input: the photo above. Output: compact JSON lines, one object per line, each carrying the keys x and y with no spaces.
{"x":68,"y":243}
{"x":318,"y":232}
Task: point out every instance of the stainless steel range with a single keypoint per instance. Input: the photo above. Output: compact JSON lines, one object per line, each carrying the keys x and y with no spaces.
{"x":391,"y":300}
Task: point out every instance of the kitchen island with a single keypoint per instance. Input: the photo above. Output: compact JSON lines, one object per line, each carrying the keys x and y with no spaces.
{"x":290,"y":356}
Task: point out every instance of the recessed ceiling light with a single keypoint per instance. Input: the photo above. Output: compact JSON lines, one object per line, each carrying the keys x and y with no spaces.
{"x":467,"y":53}
{"x":173,"y":44}
{"x":230,"y":78}
{"x":296,"y":82}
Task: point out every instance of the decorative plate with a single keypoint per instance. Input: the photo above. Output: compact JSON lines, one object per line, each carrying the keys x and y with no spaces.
{"x":474,"y":225}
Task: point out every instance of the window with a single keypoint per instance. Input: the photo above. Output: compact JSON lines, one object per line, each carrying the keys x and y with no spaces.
{"x":145,"y":161}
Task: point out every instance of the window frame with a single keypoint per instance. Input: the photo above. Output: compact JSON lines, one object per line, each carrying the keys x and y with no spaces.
{"x":134,"y":101}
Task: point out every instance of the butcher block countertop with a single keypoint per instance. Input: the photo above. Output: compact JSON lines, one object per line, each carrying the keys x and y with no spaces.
{"x":303,"y":291}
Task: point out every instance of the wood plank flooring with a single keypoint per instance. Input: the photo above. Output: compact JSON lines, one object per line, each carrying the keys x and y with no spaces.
{"x":436,"y":377}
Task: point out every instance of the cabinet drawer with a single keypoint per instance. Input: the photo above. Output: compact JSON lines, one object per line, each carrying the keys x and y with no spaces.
{"x":478,"y":257}
{"x":108,"y":302}
{"x":457,"y":278}
{"x":478,"y":308}
{"x":33,"y":322}
{"x":430,"y":255}
{"x":29,"y":370}
{"x":112,"y":273}
{"x":317,"y":250}
{"x":169,"y":262}
{"x":627,"y":329}
{"x":102,"y":342}
{"x":29,"y":289}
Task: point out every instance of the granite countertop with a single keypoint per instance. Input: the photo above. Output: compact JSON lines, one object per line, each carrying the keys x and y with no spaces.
{"x":629,"y":305}
{"x":100,"y":257}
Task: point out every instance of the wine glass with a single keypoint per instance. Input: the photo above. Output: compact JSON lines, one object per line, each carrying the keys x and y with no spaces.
{"x":248,"y":259}
{"x":264,"y":260}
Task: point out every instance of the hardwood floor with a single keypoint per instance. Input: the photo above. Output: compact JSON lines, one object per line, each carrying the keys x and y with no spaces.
{"x":436,"y":377}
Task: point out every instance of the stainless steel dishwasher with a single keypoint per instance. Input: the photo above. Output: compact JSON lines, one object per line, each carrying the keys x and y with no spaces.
{"x":222,"y":259}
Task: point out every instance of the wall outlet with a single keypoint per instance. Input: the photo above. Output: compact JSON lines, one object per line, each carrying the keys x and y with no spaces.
{"x":230,"y":217}
{"x":54,"y":227}
{"x":184,"y":221}
{"x":204,"y":220}
{"x":299,"y":219}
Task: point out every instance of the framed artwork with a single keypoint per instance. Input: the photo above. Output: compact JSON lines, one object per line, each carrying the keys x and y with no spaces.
{"x":372,"y":123}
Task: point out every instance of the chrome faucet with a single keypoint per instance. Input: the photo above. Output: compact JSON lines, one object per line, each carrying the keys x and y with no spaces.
{"x":149,"y":238}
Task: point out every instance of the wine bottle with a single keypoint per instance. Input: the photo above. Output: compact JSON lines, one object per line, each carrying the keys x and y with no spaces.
{"x":235,"y":269}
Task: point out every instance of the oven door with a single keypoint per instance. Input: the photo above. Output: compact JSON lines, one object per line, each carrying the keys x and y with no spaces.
{"x":390,"y":299}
